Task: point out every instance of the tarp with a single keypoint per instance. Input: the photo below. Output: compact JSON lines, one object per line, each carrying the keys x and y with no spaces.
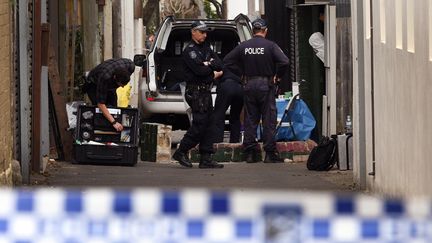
{"x":299,"y":117}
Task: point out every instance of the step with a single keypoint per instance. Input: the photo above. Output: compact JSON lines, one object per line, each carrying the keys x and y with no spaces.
{"x":294,"y":151}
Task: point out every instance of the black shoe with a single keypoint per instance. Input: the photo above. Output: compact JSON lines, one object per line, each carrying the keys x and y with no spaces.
{"x":272,"y":157}
{"x":182,"y":158}
{"x":207,"y":163}
{"x":252,"y":157}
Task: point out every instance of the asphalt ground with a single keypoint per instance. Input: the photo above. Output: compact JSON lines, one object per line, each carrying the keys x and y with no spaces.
{"x":171,"y":175}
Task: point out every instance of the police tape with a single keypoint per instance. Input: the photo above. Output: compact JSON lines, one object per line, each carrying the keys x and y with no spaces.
{"x":199,"y":215}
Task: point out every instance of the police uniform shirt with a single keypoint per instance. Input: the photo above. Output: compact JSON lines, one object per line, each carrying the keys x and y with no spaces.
{"x":102,"y":76}
{"x":194,"y":56}
{"x":258,"y":57}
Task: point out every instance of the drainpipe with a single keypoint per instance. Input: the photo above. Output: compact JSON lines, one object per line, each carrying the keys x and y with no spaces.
{"x":361,"y":173}
{"x":372,"y":173}
{"x":36,"y":87}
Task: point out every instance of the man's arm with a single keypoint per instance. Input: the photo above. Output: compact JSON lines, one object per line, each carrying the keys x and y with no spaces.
{"x":118,"y":127}
{"x":232,"y":58}
{"x":196,"y":64}
{"x":281,"y":61}
{"x":101,"y":97}
{"x":215,"y":62}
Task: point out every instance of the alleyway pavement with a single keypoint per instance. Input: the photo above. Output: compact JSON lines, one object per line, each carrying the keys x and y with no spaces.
{"x":170,"y":175}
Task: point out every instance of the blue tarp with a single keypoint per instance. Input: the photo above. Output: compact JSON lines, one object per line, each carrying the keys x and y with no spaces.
{"x":298,"y":116}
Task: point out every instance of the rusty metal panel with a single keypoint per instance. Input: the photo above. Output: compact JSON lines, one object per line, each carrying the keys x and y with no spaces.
{"x":25,"y":51}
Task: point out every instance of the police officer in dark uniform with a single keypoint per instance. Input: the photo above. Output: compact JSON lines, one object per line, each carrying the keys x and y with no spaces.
{"x":201,"y":67}
{"x":262,"y":63}
{"x":229,"y":95}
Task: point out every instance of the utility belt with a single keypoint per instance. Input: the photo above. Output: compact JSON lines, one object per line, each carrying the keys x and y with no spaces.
{"x":247,"y":79}
{"x":199,"y":87}
{"x":199,"y":97}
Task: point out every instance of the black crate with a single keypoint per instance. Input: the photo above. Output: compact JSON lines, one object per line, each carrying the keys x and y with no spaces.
{"x":105,"y":155}
{"x":93,"y":127}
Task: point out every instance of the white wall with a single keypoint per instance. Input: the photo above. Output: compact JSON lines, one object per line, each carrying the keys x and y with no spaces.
{"x":236,"y":7}
{"x":402,"y":79}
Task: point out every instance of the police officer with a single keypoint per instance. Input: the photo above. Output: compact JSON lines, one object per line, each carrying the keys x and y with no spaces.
{"x":103,"y":81}
{"x":229,"y":95}
{"x":201,"y":67}
{"x":262,"y":63}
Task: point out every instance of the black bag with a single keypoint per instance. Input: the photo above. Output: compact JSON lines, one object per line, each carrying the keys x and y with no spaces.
{"x":324,"y":156}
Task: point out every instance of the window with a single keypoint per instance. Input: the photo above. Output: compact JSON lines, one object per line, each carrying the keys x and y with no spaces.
{"x":382,"y":10}
{"x":399,"y":24}
{"x":410,"y":26}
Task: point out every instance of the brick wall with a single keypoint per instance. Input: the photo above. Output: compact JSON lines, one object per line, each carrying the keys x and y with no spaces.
{"x":5,"y":94}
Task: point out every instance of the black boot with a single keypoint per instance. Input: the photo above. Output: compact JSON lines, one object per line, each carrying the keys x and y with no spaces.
{"x":252,"y":156}
{"x":182,"y":158}
{"x":272,"y":157}
{"x":207,"y":163}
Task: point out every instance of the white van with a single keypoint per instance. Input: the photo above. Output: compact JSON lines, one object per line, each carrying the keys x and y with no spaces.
{"x":160,"y":98}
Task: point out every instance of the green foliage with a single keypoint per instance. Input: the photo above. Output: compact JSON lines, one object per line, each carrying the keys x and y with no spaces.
{"x":210,"y":12}
{"x":79,"y":65}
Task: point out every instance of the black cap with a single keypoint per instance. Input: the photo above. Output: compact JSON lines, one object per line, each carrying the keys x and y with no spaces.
{"x":200,"y":25}
{"x":259,"y":24}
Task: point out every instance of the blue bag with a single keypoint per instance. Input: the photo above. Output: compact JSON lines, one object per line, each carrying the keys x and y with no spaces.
{"x":297,"y":122}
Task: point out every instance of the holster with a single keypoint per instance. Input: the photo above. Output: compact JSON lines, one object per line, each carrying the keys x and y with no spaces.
{"x":198,"y":98}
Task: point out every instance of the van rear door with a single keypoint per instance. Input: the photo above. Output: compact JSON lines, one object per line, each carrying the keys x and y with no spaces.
{"x":161,"y":40}
{"x":243,"y":27}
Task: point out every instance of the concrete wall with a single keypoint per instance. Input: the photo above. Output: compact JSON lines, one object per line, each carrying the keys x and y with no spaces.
{"x":5,"y":94}
{"x":395,"y":100}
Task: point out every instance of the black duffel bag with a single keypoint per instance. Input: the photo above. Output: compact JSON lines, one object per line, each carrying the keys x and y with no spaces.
{"x":324,"y":156}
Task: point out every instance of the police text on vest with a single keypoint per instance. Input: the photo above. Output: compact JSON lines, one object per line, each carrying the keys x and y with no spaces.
{"x":254,"y":51}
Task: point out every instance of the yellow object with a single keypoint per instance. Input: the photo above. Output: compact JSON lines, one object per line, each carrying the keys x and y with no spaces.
{"x":123,"y":95}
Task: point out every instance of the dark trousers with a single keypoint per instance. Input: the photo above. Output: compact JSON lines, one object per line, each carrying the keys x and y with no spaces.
{"x":200,"y":132}
{"x":259,"y":103}
{"x":90,"y":89}
{"x":229,"y":94}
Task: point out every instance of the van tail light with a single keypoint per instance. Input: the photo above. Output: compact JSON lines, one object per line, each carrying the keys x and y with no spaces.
{"x":150,"y":96}
{"x":144,"y":73}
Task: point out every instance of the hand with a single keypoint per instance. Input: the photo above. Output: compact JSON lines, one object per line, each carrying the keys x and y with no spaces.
{"x":208,"y":63}
{"x":217,"y":74}
{"x":118,"y":127}
{"x":276,"y":80}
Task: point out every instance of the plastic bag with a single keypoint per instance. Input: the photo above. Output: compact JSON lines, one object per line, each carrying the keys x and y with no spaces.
{"x":71,"y":110}
{"x":301,"y":120}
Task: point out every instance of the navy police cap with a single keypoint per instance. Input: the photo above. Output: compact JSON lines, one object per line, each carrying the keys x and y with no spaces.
{"x":200,"y":25}
{"x":259,"y":24}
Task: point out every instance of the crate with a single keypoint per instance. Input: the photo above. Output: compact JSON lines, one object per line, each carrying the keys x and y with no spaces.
{"x":155,"y":142}
{"x":105,"y":155}
{"x":97,"y":142}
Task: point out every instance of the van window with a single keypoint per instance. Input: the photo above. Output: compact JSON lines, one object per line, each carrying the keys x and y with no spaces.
{"x":169,"y":64}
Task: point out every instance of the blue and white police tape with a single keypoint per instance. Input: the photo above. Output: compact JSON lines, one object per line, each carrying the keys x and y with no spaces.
{"x":195,"y":215}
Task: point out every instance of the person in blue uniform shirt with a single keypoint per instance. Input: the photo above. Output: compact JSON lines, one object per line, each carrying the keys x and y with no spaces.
{"x":103,"y":81}
{"x":229,"y":95}
{"x":263,"y":64}
{"x":201,"y":67}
